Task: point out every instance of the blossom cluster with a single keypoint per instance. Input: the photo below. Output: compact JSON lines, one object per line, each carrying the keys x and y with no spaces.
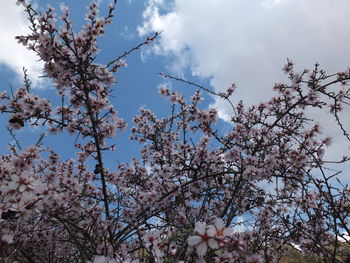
{"x":249,"y":194}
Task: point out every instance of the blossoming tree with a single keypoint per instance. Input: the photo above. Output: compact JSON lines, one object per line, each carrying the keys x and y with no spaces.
{"x":196,"y":194}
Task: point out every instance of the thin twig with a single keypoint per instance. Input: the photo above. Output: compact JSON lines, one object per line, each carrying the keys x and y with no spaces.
{"x":167,"y":76}
{"x":14,"y":137}
{"x":126,"y":53}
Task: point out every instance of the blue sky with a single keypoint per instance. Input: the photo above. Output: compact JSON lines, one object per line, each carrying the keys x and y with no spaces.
{"x":136,"y":84}
{"x":214,"y":42}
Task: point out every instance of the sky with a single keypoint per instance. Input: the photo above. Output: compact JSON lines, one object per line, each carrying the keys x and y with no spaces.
{"x":213,"y":42}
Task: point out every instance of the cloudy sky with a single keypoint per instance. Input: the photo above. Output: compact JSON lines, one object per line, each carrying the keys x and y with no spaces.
{"x":12,"y":55}
{"x":248,"y":42}
{"x":215,"y":42}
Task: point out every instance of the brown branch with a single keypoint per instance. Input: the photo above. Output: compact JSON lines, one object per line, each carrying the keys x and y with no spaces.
{"x":126,"y":53}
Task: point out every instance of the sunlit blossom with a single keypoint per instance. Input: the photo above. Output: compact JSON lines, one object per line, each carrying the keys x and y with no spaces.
{"x":203,"y":239}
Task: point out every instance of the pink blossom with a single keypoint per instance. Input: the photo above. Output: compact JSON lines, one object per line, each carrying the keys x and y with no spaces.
{"x":204,"y":237}
{"x":220,"y":230}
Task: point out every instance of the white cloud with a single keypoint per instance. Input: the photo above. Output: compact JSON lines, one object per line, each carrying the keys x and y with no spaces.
{"x":13,"y":22}
{"x":270,"y":3}
{"x":248,"y":42}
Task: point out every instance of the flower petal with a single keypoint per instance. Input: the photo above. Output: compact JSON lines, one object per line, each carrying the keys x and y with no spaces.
{"x":228,"y":231}
{"x":211,"y":231}
{"x":202,"y":249}
{"x":200,"y":260}
{"x":200,"y":227}
{"x":194,"y":240}
{"x":213,"y":243}
{"x":219,"y":223}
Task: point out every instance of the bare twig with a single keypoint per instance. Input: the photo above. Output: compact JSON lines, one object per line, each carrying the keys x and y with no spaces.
{"x":126,"y":53}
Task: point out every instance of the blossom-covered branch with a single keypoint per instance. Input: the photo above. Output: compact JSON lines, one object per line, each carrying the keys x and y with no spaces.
{"x":255,"y":193}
